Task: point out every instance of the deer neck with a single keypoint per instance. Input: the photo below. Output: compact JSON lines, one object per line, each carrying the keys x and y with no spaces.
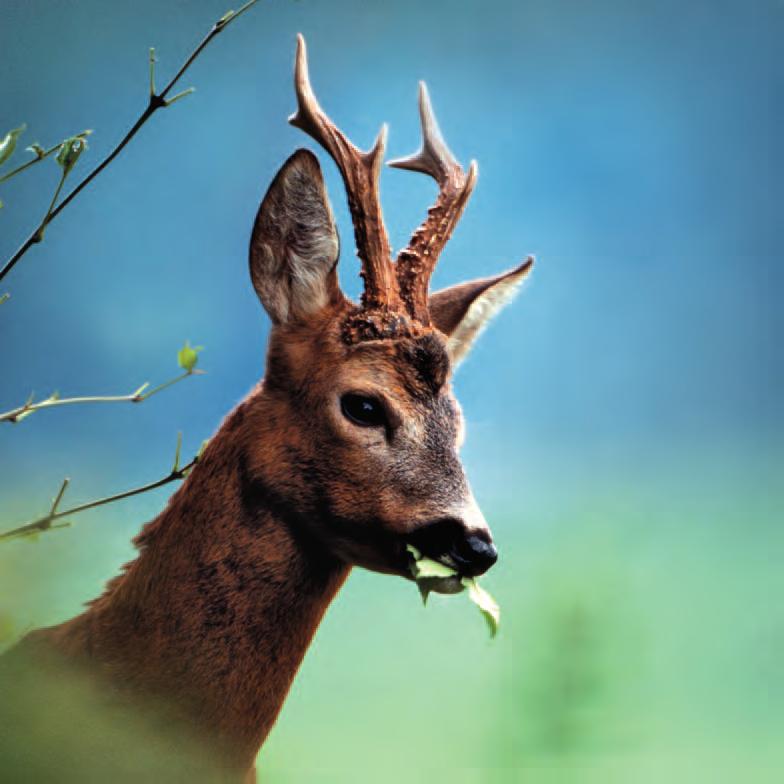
{"x":216,"y":613}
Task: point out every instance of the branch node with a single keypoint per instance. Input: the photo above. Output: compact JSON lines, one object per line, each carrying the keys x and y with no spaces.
{"x":138,"y":395}
{"x":156,"y":102}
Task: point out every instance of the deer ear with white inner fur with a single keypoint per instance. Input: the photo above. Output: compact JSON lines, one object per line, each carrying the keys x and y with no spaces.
{"x":461,"y":312}
{"x":294,"y":245}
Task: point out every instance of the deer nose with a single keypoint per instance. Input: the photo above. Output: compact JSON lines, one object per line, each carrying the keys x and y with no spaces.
{"x":471,"y":552}
{"x":473,"y":555}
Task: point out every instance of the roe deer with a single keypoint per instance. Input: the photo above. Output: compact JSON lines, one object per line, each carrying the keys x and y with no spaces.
{"x":344,"y":454}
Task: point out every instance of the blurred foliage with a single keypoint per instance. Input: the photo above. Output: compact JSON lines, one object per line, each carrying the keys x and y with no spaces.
{"x":624,"y":658}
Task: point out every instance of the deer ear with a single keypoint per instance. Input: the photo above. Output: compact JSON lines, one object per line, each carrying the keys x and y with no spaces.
{"x":294,"y":245}
{"x":462,"y":311}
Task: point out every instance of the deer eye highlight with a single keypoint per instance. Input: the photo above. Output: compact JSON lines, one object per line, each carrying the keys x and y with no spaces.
{"x":363,"y":410}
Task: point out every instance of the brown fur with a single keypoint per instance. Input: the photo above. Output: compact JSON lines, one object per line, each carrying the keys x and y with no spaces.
{"x":203,"y":633}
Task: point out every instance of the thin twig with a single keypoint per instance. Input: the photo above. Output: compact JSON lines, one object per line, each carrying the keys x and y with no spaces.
{"x":39,"y":156}
{"x":45,"y":523}
{"x":138,"y":396}
{"x":45,"y":222}
{"x":156,"y":101}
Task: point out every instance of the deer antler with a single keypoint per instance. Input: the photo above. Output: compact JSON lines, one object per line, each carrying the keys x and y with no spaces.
{"x":360,"y":171}
{"x":416,"y":262}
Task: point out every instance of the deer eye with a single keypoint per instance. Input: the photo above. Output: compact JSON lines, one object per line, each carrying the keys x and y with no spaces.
{"x":362,"y":410}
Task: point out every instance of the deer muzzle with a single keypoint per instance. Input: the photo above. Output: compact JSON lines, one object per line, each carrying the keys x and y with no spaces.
{"x":461,"y":540}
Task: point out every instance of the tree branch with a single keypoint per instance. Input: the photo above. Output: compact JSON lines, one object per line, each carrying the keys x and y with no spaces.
{"x":141,"y":394}
{"x":156,"y":101}
{"x":187,"y":358}
{"x":45,"y":523}
{"x":41,"y":154}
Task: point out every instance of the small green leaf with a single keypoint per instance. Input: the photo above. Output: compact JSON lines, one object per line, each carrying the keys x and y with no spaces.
{"x":202,"y":448}
{"x":486,"y":604}
{"x":4,"y":297}
{"x":69,"y":153}
{"x":188,"y":356}
{"x":8,"y":143}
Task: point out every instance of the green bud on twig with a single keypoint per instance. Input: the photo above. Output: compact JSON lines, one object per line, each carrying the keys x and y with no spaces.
{"x":70,"y":150}
{"x":188,"y":356}
{"x":37,"y":150}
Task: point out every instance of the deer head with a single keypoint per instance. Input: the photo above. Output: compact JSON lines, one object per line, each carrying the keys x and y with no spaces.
{"x":367,"y":455}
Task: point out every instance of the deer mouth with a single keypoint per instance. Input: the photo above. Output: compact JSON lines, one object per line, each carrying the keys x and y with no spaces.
{"x":440,"y":575}
{"x":446,"y":550}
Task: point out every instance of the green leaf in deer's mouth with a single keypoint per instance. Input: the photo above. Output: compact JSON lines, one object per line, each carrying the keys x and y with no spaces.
{"x":438,"y":577}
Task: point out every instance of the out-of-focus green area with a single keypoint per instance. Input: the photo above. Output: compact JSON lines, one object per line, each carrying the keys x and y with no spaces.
{"x":642,"y":638}
{"x":637,"y":645}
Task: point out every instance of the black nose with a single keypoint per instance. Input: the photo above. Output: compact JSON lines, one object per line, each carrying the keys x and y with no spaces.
{"x":473,"y":554}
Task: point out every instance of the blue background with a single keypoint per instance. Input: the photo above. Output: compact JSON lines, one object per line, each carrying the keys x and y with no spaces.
{"x":624,"y":414}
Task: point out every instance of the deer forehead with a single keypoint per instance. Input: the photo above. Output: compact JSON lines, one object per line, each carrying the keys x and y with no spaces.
{"x":407,"y":370}
{"x":418,"y":365}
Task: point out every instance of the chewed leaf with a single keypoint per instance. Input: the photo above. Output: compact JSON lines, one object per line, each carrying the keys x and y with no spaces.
{"x":486,"y":604}
{"x":415,"y":554}
{"x":423,"y":567}
{"x":426,"y":567}
{"x":424,"y":591}
{"x":433,"y":575}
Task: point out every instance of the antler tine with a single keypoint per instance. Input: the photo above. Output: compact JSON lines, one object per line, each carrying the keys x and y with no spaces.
{"x":360,"y":171}
{"x":416,"y":262}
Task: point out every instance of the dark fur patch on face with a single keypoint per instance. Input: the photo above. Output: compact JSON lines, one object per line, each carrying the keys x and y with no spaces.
{"x":427,"y":357}
{"x":361,"y":325}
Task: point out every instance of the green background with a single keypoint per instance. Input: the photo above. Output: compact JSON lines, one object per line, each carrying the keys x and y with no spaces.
{"x":624,"y":415}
